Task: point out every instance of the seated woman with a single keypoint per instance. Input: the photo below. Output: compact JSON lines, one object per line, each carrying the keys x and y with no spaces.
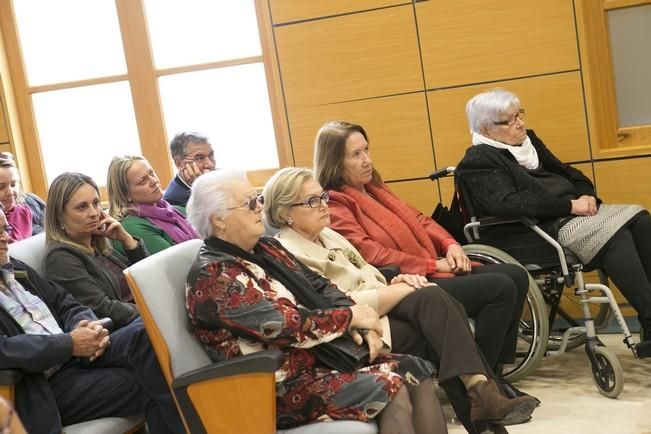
{"x":136,"y":201}
{"x":417,"y":318}
{"x":510,"y":172}
{"x":24,"y":211}
{"x":388,"y":231}
{"x":79,"y":253}
{"x":246,"y":293}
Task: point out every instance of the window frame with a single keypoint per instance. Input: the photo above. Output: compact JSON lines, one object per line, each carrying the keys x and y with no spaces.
{"x":142,"y":77}
{"x":607,"y":137}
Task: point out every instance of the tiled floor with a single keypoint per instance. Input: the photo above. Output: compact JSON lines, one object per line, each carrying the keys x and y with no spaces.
{"x":572,"y":404}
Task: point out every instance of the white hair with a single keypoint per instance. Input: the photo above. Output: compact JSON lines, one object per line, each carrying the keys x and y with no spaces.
{"x":487,"y":107}
{"x":211,"y":194}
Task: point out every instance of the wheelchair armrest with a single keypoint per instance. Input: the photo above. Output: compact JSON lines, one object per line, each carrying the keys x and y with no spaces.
{"x":263,"y":361}
{"x":495,"y":221}
{"x":389,"y":271}
{"x":9,"y":377}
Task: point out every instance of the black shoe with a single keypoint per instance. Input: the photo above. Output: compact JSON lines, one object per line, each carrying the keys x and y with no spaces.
{"x":643,"y":349}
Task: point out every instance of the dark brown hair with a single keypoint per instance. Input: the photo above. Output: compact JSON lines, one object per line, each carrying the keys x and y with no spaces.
{"x":330,"y":151}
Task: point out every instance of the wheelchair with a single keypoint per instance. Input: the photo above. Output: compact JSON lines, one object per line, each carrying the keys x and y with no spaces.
{"x":552,"y":270}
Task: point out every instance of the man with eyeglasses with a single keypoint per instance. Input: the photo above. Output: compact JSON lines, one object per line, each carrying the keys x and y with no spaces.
{"x":71,"y":369}
{"x":193,"y":156}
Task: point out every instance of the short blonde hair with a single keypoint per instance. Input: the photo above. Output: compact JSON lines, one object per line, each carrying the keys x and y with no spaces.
{"x":117,"y":185}
{"x":61,"y":190}
{"x":281,"y":191}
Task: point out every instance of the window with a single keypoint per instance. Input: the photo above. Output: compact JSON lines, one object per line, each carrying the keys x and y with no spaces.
{"x":614,"y":41}
{"x":110,"y":77}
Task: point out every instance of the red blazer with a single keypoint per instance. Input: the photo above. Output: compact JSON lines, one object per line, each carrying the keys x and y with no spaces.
{"x":374,"y":242}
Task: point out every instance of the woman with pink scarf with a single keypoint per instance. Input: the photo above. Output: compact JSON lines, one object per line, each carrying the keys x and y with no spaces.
{"x":136,"y":200}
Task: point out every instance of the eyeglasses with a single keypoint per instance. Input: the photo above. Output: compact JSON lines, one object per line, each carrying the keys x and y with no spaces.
{"x":7,"y":229}
{"x":251,"y":204}
{"x":314,"y":201}
{"x":200,"y":158}
{"x":511,"y":122}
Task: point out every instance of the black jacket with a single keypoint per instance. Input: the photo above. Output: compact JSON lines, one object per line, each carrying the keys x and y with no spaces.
{"x":33,"y":354}
{"x":499,"y":186}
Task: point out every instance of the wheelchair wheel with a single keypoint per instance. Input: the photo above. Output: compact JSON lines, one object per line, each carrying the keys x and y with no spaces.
{"x":534,"y":324}
{"x":607,"y":373}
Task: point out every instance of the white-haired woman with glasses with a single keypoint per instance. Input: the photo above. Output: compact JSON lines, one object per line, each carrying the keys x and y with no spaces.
{"x":418,"y":317}
{"x":510,"y":172}
{"x":245,"y":293}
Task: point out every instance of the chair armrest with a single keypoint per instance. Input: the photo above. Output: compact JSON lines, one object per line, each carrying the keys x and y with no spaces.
{"x":223,"y":396}
{"x":389,"y":271}
{"x":263,"y":361}
{"x":495,"y":221}
{"x":9,"y":377}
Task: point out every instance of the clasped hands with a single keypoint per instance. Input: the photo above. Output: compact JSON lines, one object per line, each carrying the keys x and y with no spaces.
{"x":365,"y":320}
{"x":584,"y":206}
{"x":89,"y":339}
{"x":455,"y":261}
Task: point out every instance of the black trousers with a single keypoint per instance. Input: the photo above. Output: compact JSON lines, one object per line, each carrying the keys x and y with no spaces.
{"x":126,"y":380}
{"x":430,"y":324}
{"x":627,"y":261}
{"x":493,"y":295}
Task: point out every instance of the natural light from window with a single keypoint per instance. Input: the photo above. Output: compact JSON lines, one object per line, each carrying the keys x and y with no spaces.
{"x":67,"y":40}
{"x":191,"y":32}
{"x":82,"y":129}
{"x":230,"y":106}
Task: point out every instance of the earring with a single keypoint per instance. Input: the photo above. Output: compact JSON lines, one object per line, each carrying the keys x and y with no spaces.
{"x":290,"y":221}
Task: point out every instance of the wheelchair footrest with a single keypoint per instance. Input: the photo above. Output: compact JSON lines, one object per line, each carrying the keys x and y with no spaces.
{"x":643,"y":349}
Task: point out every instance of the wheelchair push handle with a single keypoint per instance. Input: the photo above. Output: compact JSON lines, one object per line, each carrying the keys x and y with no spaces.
{"x":442,"y":173}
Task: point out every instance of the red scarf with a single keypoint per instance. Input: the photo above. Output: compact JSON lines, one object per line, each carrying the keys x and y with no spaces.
{"x":396,"y":218}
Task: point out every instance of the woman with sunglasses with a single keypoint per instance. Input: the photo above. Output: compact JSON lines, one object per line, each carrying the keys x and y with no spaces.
{"x":24,"y":211}
{"x":80,"y":256}
{"x":417,"y":317}
{"x":136,"y":201}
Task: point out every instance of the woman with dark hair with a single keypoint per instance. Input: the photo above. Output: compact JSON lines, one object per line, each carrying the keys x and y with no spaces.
{"x":79,"y":254}
{"x":387,"y":231}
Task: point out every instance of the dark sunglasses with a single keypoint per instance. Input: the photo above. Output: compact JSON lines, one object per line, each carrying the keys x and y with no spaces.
{"x":251,"y":204}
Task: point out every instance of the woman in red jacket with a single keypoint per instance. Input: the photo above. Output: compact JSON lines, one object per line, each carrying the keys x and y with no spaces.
{"x":388,"y":231}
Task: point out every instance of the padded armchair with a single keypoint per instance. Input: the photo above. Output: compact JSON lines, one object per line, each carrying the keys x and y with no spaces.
{"x":234,"y":396}
{"x":31,"y":251}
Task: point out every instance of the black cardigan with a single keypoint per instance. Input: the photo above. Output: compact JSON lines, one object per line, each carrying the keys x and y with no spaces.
{"x":497,"y":185}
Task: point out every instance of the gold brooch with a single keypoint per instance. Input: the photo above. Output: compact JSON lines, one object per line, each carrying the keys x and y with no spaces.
{"x":332,"y":255}
{"x":354,"y":258}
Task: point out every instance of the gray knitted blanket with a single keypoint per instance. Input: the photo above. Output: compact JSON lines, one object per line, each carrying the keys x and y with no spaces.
{"x":586,"y":235}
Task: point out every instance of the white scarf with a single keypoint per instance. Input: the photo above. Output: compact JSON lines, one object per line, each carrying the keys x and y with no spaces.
{"x":525,"y":154}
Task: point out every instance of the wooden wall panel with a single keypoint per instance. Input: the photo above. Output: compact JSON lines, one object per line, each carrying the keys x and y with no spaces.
{"x":397,"y":127}
{"x":4,"y":135}
{"x":283,"y":11}
{"x":349,"y":57}
{"x":421,"y":194}
{"x":472,"y":41}
{"x":625,"y":181}
{"x":554,"y":109}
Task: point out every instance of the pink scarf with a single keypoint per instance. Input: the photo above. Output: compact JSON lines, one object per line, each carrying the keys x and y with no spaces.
{"x":169,"y":219}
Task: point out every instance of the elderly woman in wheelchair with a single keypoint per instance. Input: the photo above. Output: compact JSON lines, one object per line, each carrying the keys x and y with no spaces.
{"x":510,"y":173}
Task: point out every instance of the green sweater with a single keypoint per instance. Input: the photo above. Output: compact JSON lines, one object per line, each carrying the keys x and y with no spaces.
{"x":154,"y":238}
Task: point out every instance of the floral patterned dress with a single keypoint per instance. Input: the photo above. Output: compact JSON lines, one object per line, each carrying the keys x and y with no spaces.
{"x":237,"y":308}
